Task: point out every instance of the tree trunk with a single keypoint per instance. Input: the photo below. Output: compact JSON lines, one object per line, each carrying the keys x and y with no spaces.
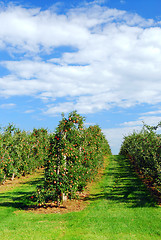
{"x":13,"y":176}
{"x":4,"y":179}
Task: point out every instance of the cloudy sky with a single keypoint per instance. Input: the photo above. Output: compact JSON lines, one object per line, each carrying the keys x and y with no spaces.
{"x":101,"y":58}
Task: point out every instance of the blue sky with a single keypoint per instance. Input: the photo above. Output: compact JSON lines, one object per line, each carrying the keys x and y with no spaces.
{"x":101,"y":58}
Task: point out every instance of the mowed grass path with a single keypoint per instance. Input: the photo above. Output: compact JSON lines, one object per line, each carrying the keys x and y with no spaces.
{"x":120,"y":208}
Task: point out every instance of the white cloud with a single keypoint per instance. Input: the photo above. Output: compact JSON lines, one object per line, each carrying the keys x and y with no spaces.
{"x":149,"y":120}
{"x":115,"y":135}
{"x":29,"y":111}
{"x":61,"y":107}
{"x":152,"y":112}
{"x":7,"y":105}
{"x":115,"y":62}
{"x":31,"y":29}
{"x":122,"y":1}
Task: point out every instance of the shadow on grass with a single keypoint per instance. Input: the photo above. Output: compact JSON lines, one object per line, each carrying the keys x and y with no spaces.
{"x":21,"y":199}
{"x":122,"y":185}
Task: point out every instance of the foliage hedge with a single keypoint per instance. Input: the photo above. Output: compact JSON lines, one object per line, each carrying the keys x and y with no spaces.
{"x":144,"y":150}
{"x":75,"y":155}
{"x":21,"y":152}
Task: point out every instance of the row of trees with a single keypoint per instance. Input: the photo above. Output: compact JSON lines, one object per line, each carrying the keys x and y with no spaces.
{"x":70,"y":156}
{"x":144,"y":150}
{"x":21,"y":152}
{"x":75,"y":155}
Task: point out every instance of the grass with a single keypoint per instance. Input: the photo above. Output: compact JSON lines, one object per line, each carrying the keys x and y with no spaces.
{"x":120,"y":208}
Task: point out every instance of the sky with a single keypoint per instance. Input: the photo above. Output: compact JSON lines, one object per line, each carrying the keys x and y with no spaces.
{"x":101,"y":58}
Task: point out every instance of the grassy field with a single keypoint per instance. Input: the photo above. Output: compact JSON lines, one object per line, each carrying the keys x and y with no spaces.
{"x":120,"y":208}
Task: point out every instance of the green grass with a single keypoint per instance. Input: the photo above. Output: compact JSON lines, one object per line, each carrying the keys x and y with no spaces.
{"x":120,"y":208}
